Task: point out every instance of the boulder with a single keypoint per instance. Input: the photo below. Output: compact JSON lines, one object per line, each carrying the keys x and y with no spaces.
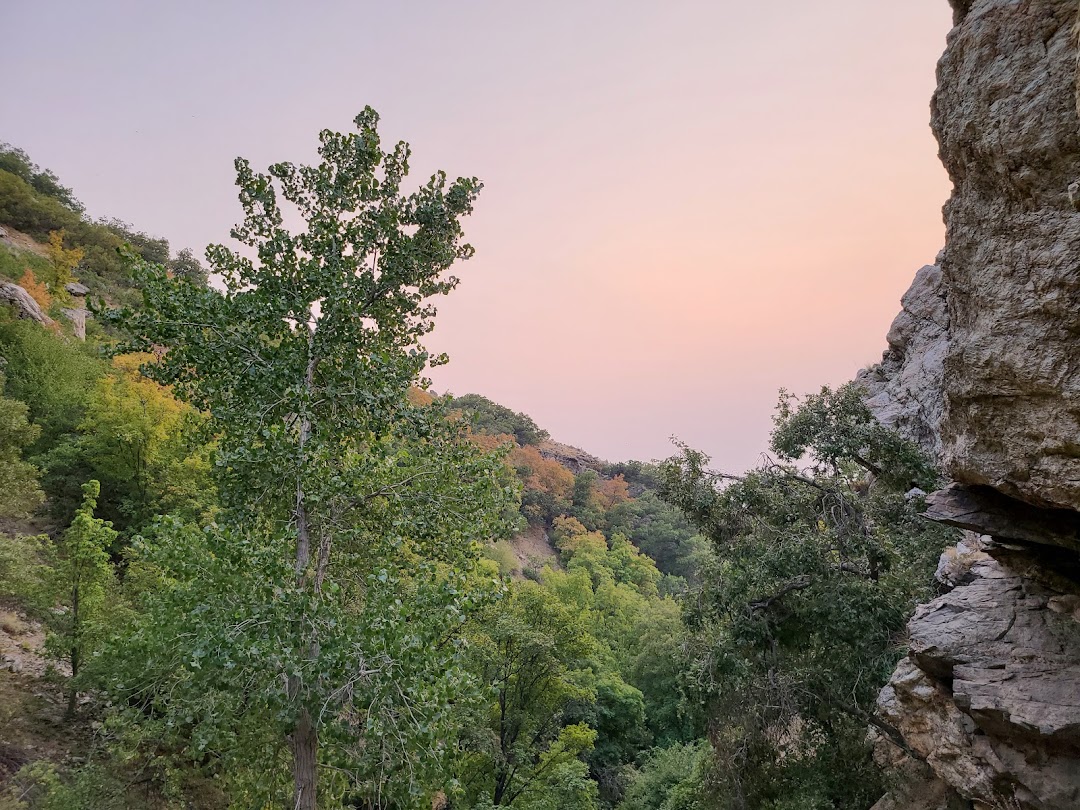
{"x":77,"y":289}
{"x":25,"y":306}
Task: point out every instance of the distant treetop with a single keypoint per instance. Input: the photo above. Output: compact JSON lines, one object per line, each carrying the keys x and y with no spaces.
{"x":490,"y":417}
{"x":33,"y":201}
{"x":43,"y":181}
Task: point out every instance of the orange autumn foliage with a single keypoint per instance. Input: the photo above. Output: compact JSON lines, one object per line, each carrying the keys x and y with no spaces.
{"x":610,"y":492}
{"x":572,"y":538}
{"x":36,"y":289}
{"x":536,"y":472}
{"x":542,"y":474}
{"x":490,"y":441}
{"x":419,"y":397}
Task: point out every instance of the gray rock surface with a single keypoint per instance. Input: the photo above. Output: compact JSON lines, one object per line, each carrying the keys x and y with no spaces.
{"x":905,"y":389}
{"x":990,"y":693}
{"x":573,"y":458}
{"x":77,"y":289}
{"x":78,"y":313}
{"x":1005,"y":116}
{"x":955,"y":564}
{"x":25,"y":306}
{"x":989,"y":696}
{"x":921,"y":790}
{"x":77,"y":316}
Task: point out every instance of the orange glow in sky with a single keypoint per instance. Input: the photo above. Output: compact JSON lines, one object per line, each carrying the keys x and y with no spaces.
{"x":687,"y":205}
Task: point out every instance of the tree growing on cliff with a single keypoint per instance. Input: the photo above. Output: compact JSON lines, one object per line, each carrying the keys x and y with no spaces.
{"x":80,"y":582}
{"x":64,"y":261}
{"x":330,"y":592}
{"x":813,"y":575}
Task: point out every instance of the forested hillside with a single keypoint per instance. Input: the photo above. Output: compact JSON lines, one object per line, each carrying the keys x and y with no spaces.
{"x":249,"y":558}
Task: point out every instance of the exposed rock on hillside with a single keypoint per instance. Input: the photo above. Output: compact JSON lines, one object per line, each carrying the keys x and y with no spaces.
{"x":905,"y":389}
{"x":989,"y":696}
{"x":78,"y":312}
{"x":573,"y":458}
{"x":19,"y":241}
{"x":25,"y":306}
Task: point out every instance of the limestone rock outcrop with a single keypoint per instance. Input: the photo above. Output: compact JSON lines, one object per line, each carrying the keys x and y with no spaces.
{"x":905,"y":390}
{"x":1005,"y":116}
{"x":983,"y":369}
{"x":25,"y":306}
{"x":77,"y":313}
{"x":990,"y":694}
{"x":573,"y":458}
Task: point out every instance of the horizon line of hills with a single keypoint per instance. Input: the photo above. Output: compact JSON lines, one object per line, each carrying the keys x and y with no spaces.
{"x":49,"y":241}
{"x":625,"y":635}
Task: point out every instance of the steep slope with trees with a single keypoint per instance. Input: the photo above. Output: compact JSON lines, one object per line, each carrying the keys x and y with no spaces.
{"x":249,"y":559}
{"x":255,"y":468}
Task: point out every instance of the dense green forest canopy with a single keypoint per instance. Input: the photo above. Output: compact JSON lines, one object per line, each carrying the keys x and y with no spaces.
{"x":248,"y":559}
{"x":492,"y":418}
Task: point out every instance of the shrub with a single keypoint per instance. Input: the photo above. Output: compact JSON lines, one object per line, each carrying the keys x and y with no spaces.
{"x":29,"y":282}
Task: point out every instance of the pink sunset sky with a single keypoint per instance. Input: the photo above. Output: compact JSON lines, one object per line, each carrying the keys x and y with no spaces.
{"x":687,"y":205}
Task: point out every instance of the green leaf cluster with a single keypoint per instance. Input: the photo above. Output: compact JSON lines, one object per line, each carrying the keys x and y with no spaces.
{"x":796,"y":623}
{"x":315,"y":626}
{"x":19,"y":490}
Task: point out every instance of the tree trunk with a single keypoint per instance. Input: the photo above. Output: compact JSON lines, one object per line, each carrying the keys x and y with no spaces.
{"x":73,"y":696}
{"x":304,"y":740}
{"x":75,"y":657}
{"x":304,"y":745}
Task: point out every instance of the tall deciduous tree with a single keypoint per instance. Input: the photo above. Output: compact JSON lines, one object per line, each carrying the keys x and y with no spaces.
{"x":352,"y":511}
{"x":537,"y":656}
{"x":64,"y":261}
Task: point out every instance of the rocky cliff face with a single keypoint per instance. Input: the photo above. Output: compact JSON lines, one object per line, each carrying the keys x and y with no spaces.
{"x":1005,"y":115}
{"x":989,"y":697}
{"x":906,"y":390}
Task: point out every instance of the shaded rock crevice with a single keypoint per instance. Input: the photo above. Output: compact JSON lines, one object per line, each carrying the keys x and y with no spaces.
{"x":985,"y":510}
